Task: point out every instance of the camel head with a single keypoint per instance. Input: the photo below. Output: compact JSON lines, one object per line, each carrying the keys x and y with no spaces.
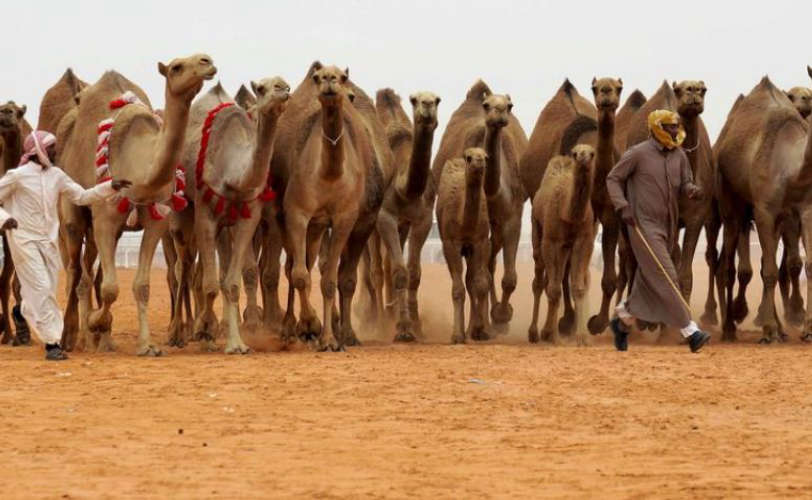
{"x":185,"y":75}
{"x":801,"y":98}
{"x":497,"y":110}
{"x":424,"y":108}
{"x":11,"y":117}
{"x":690,"y":97}
{"x":330,"y":82}
{"x":583,"y":154}
{"x":607,"y":92}
{"x":475,"y":161}
{"x":272,"y":95}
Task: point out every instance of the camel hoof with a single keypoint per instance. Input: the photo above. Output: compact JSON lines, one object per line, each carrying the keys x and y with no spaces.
{"x":238,"y":349}
{"x":502,"y":313}
{"x":782,"y":337}
{"x":546,"y":335}
{"x":597,"y":324}
{"x":567,"y":323}
{"x":208,"y":344}
{"x":330,"y":346}
{"x":807,"y":337}
{"x":795,"y":317}
{"x":765,"y":340}
{"x":709,"y":318}
{"x":308,"y":329}
{"x":479,"y":334}
{"x":105,"y":344}
{"x":458,"y":339}
{"x":757,"y":321}
{"x":149,"y":351}
{"x":405,"y":337}
{"x":729,"y":337}
{"x":350,"y":340}
{"x":533,"y":335}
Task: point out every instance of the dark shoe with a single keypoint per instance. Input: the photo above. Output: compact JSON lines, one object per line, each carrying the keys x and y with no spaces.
{"x":23,"y":334}
{"x":621,"y":334}
{"x":697,"y":340}
{"x":55,"y":353}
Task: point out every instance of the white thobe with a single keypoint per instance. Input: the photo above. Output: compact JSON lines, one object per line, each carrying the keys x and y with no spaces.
{"x":30,"y":195}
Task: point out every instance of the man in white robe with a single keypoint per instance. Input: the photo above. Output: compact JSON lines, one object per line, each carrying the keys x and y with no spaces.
{"x":29,"y":195}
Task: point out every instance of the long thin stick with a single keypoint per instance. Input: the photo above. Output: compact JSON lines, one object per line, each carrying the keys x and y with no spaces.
{"x":670,"y":282}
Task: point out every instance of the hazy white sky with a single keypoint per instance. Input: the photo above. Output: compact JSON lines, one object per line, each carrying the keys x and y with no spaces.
{"x":525,"y":48}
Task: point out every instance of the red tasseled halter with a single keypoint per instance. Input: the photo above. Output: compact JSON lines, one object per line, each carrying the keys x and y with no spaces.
{"x":236,"y":209}
{"x":125,"y":205}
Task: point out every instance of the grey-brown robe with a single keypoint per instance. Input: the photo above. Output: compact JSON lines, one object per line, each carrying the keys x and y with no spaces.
{"x":650,"y":179}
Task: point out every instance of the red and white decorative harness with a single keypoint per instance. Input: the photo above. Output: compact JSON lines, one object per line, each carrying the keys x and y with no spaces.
{"x":236,"y":208}
{"x":157,"y":210}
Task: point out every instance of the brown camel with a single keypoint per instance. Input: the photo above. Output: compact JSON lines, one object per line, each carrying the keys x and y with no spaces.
{"x":485,"y":120}
{"x":764,"y":159}
{"x":229,"y":195}
{"x":142,"y":151}
{"x":688,"y":99}
{"x":58,"y":100}
{"x":405,"y":213}
{"x":462,"y":217}
{"x":624,"y":117}
{"x":328,"y":168}
{"x":563,"y":238}
{"x":569,"y":119}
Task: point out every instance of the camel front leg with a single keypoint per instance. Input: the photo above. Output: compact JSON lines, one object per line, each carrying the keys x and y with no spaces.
{"x":388,"y":230}
{"x":686,"y":260}
{"x":5,"y":292}
{"x":503,"y":312}
{"x":453,"y":258}
{"x":555,"y":260}
{"x":539,"y":282}
{"x":339,"y":234}
{"x":270,"y":267}
{"x":297,"y":223}
{"x":153,"y":232}
{"x":726,"y":277}
{"x":417,"y":239}
{"x":712,"y":260}
{"x":579,"y":284}
{"x":347,"y":279}
{"x":611,"y":229}
{"x":477,"y":283}
{"x":806,"y":233}
{"x":744,"y":275}
{"x":793,"y":264}
{"x":71,"y":237}
{"x":252,"y":315}
{"x":242,"y":235}
{"x":765,"y":225}
{"x":205,"y":326}
{"x":100,"y":321}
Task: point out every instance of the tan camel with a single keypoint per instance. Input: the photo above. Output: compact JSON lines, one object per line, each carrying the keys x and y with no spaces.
{"x":228,"y":182}
{"x":328,"y":171}
{"x":405,"y":210}
{"x":462,"y":218}
{"x":688,"y":99}
{"x":13,"y":130}
{"x":765,"y":169}
{"x":147,"y":154}
{"x":58,"y":100}
{"x":624,"y":117}
{"x":801,"y":98}
{"x":569,"y":119}
{"x":563,"y":238}
{"x":485,"y":120}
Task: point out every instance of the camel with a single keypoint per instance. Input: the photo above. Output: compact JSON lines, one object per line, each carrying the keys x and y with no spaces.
{"x":226,"y":158}
{"x":764,"y":159}
{"x":462,"y":217}
{"x":688,"y":99}
{"x":485,"y":120}
{"x":405,"y":213}
{"x":59,"y":100}
{"x":13,"y":130}
{"x":563,"y":238}
{"x":325,"y":153}
{"x":570,"y":119}
{"x":801,"y":98}
{"x":142,"y":151}
{"x":624,"y":117}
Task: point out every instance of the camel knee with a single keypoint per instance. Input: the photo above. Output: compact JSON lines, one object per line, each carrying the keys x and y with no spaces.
{"x":250,"y":277}
{"x":83,"y":288}
{"x":415,"y":274}
{"x":300,"y":278}
{"x":270,"y":276}
{"x":509,"y":281}
{"x":554,"y":292}
{"x":141,"y":291}
{"x":109,"y":292}
{"x":745,"y":275}
{"x":481,"y":285}
{"x":609,"y":284}
{"x":458,"y":292}
{"x":231,"y":291}
{"x":328,"y":289}
{"x":399,"y":278}
{"x":795,"y":265}
{"x":347,"y":285}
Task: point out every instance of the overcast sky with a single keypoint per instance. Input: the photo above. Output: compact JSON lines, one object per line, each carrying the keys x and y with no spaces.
{"x":524,"y":48}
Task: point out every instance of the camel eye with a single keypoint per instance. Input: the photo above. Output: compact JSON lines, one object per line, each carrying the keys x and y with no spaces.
{"x":486,"y":106}
{"x":176,"y":68}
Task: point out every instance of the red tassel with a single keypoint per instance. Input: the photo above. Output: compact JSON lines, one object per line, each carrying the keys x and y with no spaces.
{"x":104,"y":128}
{"x":118,"y":103}
{"x":245,"y":211}
{"x":233,"y":213}
{"x":124,"y":206}
{"x":179,"y":202}
{"x":101,"y":160}
{"x":208,"y":195}
{"x":179,"y":184}
{"x":267,"y":195}
{"x":154,"y":213}
{"x":221,"y":205}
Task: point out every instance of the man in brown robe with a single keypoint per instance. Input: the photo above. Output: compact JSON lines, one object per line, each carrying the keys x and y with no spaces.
{"x":645,"y":187}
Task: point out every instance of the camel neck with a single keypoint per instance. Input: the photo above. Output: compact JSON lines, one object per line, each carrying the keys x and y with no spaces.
{"x":806,"y":168}
{"x":581,"y":193}
{"x":420,"y":160}
{"x":256,"y":176}
{"x":605,"y":151}
{"x":332,"y":142}
{"x":493,"y":169}
{"x":691,"y":143}
{"x":13,"y":140}
{"x":170,"y":143}
{"x":473,"y":199}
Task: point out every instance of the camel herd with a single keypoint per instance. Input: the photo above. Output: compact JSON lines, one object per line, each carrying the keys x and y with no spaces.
{"x":325,"y":174}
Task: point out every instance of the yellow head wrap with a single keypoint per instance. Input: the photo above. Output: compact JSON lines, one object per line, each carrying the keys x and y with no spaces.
{"x":661,"y":117}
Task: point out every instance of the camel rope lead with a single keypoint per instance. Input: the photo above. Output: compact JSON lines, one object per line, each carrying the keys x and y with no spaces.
{"x":662,"y":268}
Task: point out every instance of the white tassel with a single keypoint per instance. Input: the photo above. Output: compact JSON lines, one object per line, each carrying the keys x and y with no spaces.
{"x":102,"y":137}
{"x":163,"y":209}
{"x":130,"y":97}
{"x":132,"y":219}
{"x":102,"y":170}
{"x":106,"y":121}
{"x":102,"y":152}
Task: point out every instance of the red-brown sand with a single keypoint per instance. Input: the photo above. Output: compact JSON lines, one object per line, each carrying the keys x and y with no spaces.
{"x":505,"y":419}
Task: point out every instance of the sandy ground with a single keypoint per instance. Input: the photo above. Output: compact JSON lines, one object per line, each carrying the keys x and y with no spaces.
{"x":437,"y":421}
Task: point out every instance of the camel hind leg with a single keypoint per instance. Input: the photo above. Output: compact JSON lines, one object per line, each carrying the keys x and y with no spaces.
{"x":418,"y":234}
{"x":712,"y":260}
{"x":388,"y":229}
{"x":555,"y":261}
{"x":806,"y":232}
{"x":477,"y":284}
{"x":270,"y":268}
{"x":579,"y":283}
{"x":5,"y":293}
{"x":153,"y":232}
{"x":453,"y":259}
{"x":100,"y":321}
{"x":242,"y":239}
{"x":765,"y":226}
{"x":539,"y":281}
{"x":609,"y":237}
{"x":790,"y":271}
{"x":252,"y":315}
{"x":502,"y":312}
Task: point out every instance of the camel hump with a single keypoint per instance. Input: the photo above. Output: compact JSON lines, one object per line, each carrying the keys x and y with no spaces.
{"x":387,"y":98}
{"x":314,"y":66}
{"x":479,"y":91}
{"x":572,"y":134}
{"x":568,"y":88}
{"x":636,"y":99}
{"x":766,"y":83}
{"x":244,"y":97}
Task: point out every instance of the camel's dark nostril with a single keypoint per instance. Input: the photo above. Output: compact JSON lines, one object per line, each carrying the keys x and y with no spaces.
{"x":205,"y":60}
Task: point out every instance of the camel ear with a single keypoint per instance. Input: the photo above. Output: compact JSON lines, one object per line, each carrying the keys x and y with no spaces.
{"x":677,"y":89}
{"x":162,"y":68}
{"x":809,"y":71}
{"x":259,"y":90}
{"x":620,"y":81}
{"x":346,"y":75}
{"x":436,"y":101}
{"x":351,"y":95}
{"x":594,"y":86}
{"x":789,"y":96}
{"x":21,"y":111}
{"x":704,"y":88}
{"x":413,"y":99}
{"x":316,"y":78}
